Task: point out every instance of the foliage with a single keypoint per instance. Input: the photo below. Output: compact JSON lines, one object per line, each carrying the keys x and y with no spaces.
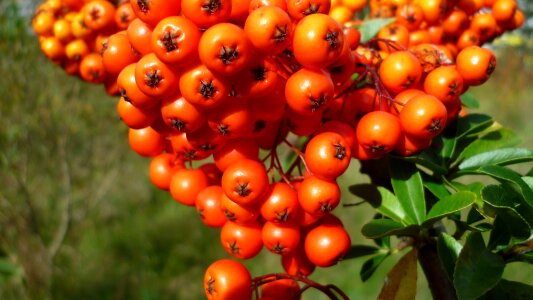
{"x":427,"y":189}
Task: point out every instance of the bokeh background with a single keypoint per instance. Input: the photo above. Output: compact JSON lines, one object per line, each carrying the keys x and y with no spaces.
{"x":79,"y":218}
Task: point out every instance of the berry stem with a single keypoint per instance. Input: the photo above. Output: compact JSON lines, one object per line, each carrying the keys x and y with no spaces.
{"x":330,"y":290}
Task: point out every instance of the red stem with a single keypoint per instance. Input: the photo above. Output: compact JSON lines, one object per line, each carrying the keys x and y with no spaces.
{"x":329,"y":290}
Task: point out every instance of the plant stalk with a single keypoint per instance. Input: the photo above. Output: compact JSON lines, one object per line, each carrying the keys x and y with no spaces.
{"x":439,"y":283}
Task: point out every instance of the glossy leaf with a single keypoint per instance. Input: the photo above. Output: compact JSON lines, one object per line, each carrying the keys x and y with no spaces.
{"x":507,"y":289}
{"x":370,"y":28}
{"x":501,"y":138}
{"x":381,"y":199}
{"x":360,"y":250}
{"x":407,"y":184}
{"x":509,"y":207}
{"x":469,"y":100}
{"x":505,"y":175}
{"x":449,"y":205}
{"x":448,"y":248}
{"x":528,"y":180}
{"x":436,"y":186}
{"x":477,"y":269}
{"x":383,"y":242}
{"x":378,"y":228}
{"x":500,"y":235}
{"x":473,"y":124}
{"x":499,"y":157}
{"x":371,"y":265}
{"x":400,"y":283}
{"x":427,"y":159}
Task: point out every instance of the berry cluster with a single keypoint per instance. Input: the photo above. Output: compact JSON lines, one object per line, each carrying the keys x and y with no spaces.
{"x":234,"y":84}
{"x":453,"y":24}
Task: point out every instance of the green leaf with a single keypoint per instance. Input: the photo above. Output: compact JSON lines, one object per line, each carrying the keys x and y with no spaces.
{"x":514,"y":290}
{"x":400,"y":283}
{"x":469,"y":100}
{"x":474,"y":216}
{"x":477,"y":269}
{"x":427,"y":159}
{"x":461,"y":133}
{"x":501,"y":138}
{"x":473,"y":124}
{"x":500,"y":157}
{"x":383,"y":242}
{"x":371,"y":265}
{"x":505,"y":175}
{"x":508,"y":206}
{"x":526,"y":257}
{"x":407,"y":184}
{"x":449,"y":205}
{"x":448,"y":248}
{"x":381,"y":199}
{"x":528,"y":180}
{"x":356,"y":251}
{"x":370,"y":28}
{"x":500,"y":236}
{"x":378,"y":228}
{"x":435,"y":186}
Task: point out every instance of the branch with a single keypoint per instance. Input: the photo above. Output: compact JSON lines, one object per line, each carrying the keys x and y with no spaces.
{"x":520,"y":249}
{"x":439,"y":283}
{"x":62,"y":230}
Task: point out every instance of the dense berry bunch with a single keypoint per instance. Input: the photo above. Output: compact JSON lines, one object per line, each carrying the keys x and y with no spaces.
{"x":234,"y":84}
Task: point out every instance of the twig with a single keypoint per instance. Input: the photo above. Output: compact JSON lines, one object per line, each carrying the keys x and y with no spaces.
{"x":329,"y":290}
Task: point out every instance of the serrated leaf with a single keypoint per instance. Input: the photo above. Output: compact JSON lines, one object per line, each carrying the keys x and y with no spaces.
{"x":477,"y":269}
{"x":507,"y":289}
{"x":400,"y":283}
{"x":499,"y":157}
{"x":356,"y":251}
{"x":469,"y":100}
{"x":378,"y":228}
{"x":381,"y":199}
{"x":449,"y":205}
{"x":370,"y":28}
{"x":448,"y":249}
{"x":501,"y":138}
{"x":407,"y":184}
{"x":371,"y":265}
{"x":508,"y":205}
{"x":506,"y":176}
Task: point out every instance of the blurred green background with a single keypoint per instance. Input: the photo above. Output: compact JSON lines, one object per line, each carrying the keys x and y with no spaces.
{"x":79,"y":218}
